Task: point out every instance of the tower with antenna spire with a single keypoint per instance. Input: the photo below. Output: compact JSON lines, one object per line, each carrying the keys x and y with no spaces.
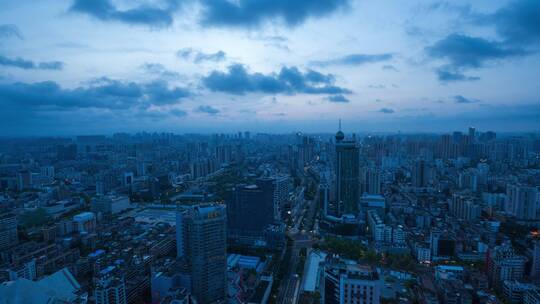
{"x":347,"y":175}
{"x":339,"y":135}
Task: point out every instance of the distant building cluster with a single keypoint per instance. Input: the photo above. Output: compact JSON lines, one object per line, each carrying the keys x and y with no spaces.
{"x":267,"y":218}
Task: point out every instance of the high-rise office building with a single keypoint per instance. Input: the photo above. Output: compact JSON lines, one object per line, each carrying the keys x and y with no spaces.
{"x":305,"y":150}
{"x":201,"y":233}
{"x":223,"y":154}
{"x":503,"y":263}
{"x":371,"y":181}
{"x":521,"y":201}
{"x":447,"y":146}
{"x":347,"y":175}
{"x":281,"y":193}
{"x":8,"y":230}
{"x":250,"y":209}
{"x":464,"y":208}
{"x":421,"y":174}
{"x":279,"y":186}
{"x":472,"y":134}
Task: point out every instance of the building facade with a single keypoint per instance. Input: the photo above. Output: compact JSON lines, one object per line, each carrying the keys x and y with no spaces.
{"x":202,"y":241}
{"x":347,"y":175}
{"x":346,"y":282}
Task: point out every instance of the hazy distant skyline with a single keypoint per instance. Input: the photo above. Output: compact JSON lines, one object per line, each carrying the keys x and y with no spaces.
{"x":103,"y":66}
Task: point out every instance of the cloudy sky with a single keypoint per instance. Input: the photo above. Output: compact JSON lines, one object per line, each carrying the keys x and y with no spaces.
{"x":103,"y":66}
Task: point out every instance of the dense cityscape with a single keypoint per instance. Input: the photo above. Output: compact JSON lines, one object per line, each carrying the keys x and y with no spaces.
{"x":269,"y":152}
{"x":266,"y":218}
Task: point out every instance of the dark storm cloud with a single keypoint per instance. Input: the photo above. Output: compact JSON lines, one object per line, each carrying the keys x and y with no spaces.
{"x":159,"y":93}
{"x":518,"y":22}
{"x":445,"y":75}
{"x":338,"y":98}
{"x":10,"y":30}
{"x":462,"y":52}
{"x":354,"y":59}
{"x":518,"y":26}
{"x":30,"y":65}
{"x":151,"y":15}
{"x":207,"y":109}
{"x":101,"y":93}
{"x":463,"y":100}
{"x":386,"y":110}
{"x":248,"y":13}
{"x":198,"y":56}
{"x":290,"y":80}
{"x":215,"y":13}
{"x":471,"y":52}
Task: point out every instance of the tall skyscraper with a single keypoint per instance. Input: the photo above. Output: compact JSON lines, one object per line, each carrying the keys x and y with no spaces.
{"x":371,"y":181}
{"x":223,"y":153}
{"x":347,"y":175}
{"x":281,"y":193}
{"x":472,"y":134}
{"x":250,"y":210}
{"x":447,"y":147}
{"x":521,"y":201}
{"x":421,"y":174}
{"x":201,"y":233}
{"x":279,"y":185}
{"x":306,"y":150}
{"x":8,"y":230}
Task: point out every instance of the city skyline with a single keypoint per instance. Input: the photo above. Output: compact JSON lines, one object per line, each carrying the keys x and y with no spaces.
{"x":198,"y":66}
{"x":263,"y":218}
{"x":269,"y":151}
{"x":233,"y":134}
